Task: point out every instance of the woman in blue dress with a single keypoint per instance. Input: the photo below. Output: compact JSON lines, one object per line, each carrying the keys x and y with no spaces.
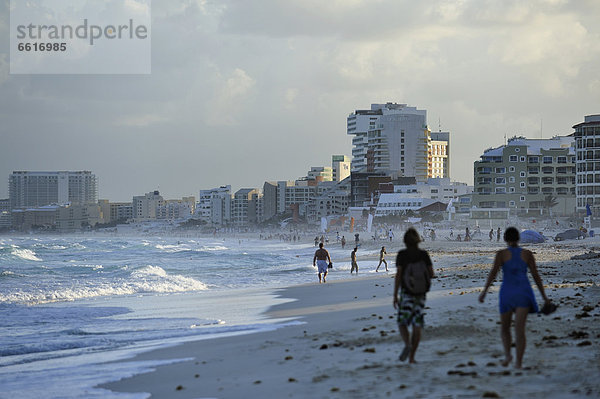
{"x":516,"y":294}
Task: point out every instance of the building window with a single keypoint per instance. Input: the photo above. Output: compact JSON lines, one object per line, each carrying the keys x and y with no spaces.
{"x":512,"y":158}
{"x":547,"y":159}
{"x":512,"y":189}
{"x":522,"y":174}
{"x":500,"y":170}
{"x":511,"y":168}
{"x":517,"y":149}
{"x":511,"y":203}
{"x":522,"y":198}
{"x":522,"y":159}
{"x":500,"y":190}
{"x":500,"y":180}
{"x":522,"y":184}
{"x":511,"y":179}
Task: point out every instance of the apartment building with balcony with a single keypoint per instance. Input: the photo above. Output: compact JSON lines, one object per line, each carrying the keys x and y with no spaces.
{"x":524,"y":174}
{"x":214,"y":206}
{"x":587,"y":148}
{"x":34,"y":189}
{"x":394,"y":139}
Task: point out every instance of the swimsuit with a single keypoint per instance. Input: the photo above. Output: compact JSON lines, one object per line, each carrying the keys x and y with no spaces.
{"x":322,"y":266}
{"x":516,"y":291}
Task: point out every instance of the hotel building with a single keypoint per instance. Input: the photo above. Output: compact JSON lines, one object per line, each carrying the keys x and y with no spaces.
{"x":523,"y":174}
{"x":394,"y":139}
{"x":33,"y":189}
{"x":587,"y":148}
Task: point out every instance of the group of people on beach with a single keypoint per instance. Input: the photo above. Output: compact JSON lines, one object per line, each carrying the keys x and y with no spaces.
{"x":413,"y":280}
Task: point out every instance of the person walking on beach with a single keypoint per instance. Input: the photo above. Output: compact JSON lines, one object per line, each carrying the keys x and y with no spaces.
{"x":356,"y":239}
{"x":390,"y":235}
{"x":516,"y":295}
{"x":491,"y":234}
{"x":382,"y":254}
{"x":353,"y":258}
{"x":322,"y":260}
{"x":343,"y":242}
{"x":498,"y":232}
{"x":413,"y":275}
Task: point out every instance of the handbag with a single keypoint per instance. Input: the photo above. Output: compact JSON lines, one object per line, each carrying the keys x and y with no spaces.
{"x":330,"y":265}
{"x":548,"y":308}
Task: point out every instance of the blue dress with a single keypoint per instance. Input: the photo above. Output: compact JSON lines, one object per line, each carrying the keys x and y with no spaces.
{"x":516,"y":291}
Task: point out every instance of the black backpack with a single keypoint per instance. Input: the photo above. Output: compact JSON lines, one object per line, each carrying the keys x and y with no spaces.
{"x":415,"y":278}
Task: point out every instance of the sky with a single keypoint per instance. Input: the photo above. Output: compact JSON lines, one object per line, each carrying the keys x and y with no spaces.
{"x":243,"y":92}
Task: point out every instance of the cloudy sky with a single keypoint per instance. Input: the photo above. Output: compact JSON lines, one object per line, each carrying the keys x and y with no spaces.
{"x":247,"y":91}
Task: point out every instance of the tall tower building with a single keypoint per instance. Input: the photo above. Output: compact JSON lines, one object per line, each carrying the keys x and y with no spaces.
{"x":394,"y":139}
{"x":32,"y":189}
{"x":587,"y":147}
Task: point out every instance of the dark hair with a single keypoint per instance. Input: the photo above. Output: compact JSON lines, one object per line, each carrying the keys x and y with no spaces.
{"x":511,"y":235}
{"x":356,"y":248}
{"x":411,"y":238}
{"x":320,"y":245}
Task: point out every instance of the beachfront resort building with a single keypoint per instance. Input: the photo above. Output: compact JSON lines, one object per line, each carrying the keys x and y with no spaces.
{"x":587,"y":148}
{"x":176,"y":209}
{"x":145,"y":206}
{"x":394,"y":139}
{"x":246,"y":207}
{"x":34,"y":189}
{"x":115,"y":211}
{"x":214,"y":206}
{"x":527,"y":176}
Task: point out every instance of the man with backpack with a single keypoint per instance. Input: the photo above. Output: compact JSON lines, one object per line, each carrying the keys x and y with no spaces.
{"x":413,"y":276}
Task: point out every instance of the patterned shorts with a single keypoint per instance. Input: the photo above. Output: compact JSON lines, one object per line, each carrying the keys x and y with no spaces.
{"x":410,"y":309}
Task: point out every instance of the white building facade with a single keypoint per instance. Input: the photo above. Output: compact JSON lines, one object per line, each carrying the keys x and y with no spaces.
{"x":587,"y":139}
{"x":34,"y":189}
{"x":394,"y":139}
{"x":214,"y":206}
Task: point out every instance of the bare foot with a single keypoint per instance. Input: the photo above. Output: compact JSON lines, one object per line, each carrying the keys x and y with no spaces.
{"x":518,"y":365}
{"x":412,"y":361}
{"x":507,"y":361}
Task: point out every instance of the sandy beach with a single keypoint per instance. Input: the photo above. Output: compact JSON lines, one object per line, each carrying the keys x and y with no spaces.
{"x":347,"y":344}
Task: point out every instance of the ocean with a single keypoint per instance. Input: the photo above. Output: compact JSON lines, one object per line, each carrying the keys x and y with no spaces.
{"x":70,"y":306}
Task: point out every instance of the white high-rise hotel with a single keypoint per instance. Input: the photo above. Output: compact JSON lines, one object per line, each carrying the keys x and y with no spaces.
{"x":31,"y":189}
{"x":394,"y":138}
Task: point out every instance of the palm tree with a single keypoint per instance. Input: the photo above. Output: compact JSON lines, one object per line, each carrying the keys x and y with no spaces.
{"x":549,"y":203}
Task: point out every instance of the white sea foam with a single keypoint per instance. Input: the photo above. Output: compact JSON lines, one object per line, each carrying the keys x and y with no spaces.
{"x":149,"y":279}
{"x":26,"y":254}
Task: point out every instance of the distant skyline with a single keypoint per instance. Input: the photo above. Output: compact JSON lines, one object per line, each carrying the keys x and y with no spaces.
{"x":242,"y":92}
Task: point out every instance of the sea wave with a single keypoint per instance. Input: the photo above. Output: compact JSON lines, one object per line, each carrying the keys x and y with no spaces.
{"x":26,"y":254}
{"x":149,"y":279}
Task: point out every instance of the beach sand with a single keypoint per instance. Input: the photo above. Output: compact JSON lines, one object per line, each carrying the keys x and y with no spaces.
{"x":348,"y":344}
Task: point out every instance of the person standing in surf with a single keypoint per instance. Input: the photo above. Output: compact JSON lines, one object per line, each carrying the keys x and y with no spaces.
{"x":322,"y":260}
{"x":516,"y":294}
{"x":382,"y":254}
{"x":353,"y":259}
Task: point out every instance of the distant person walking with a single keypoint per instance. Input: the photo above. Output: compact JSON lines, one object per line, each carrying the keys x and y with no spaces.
{"x":356,"y":239}
{"x":382,"y":254}
{"x":353,"y":258}
{"x":413,"y":275}
{"x":498,"y":232}
{"x":322,"y":260}
{"x":390,"y":235}
{"x":467,"y":234}
{"x":491,"y":234}
{"x":516,"y":295}
{"x":343,"y":242}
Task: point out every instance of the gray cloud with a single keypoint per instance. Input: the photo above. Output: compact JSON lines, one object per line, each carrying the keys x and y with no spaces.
{"x":242,"y":92}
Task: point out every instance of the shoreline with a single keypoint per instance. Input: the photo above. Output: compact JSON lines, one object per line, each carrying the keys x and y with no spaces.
{"x":348,"y":344}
